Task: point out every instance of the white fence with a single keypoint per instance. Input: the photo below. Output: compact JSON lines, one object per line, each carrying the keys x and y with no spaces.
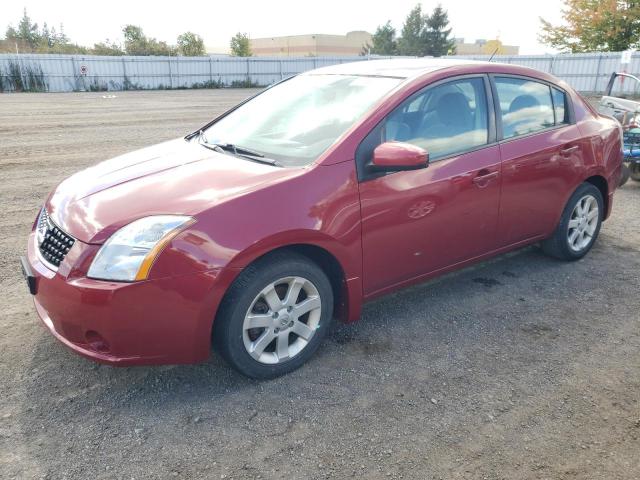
{"x":586,"y":72}
{"x":65,"y":73}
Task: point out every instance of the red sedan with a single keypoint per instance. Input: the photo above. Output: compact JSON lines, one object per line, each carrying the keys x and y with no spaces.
{"x":318,"y":194}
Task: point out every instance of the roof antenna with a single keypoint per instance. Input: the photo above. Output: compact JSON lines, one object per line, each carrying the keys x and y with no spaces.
{"x":494,"y":52}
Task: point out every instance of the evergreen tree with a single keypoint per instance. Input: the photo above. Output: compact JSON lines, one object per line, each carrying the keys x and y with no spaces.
{"x":61,"y":38}
{"x":436,"y":33}
{"x":28,"y":31}
{"x":46,"y":40}
{"x":412,"y":41}
{"x":384,"y":40}
{"x":26,"y":35}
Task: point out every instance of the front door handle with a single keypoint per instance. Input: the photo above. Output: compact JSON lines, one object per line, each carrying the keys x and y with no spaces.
{"x":484,"y":177}
{"x":569,"y":150}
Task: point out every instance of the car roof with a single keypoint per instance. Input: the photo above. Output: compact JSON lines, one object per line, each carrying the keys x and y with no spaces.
{"x":396,"y":68}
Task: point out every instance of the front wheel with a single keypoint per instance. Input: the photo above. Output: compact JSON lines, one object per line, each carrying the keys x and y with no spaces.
{"x":274,"y":316}
{"x":579,"y":226}
{"x":634,"y":171}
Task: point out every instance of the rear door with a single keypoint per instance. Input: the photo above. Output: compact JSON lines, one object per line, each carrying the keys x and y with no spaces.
{"x":540,"y":146}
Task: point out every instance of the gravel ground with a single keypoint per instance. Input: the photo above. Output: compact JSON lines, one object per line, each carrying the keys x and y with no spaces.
{"x":521,"y":367}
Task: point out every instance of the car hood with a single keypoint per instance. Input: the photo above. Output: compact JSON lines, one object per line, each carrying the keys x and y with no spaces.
{"x":175,"y":177}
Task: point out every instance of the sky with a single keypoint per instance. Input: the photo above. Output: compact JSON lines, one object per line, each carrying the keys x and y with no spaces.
{"x":514,"y":22}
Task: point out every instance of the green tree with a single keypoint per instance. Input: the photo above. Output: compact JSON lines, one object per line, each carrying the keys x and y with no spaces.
{"x":28,"y":31}
{"x":27,"y":34}
{"x":10,"y":33}
{"x":384,"y":40}
{"x":137,"y":43}
{"x":57,"y":42}
{"x":46,"y":39}
{"x":27,"y":38}
{"x":240,"y":46}
{"x":438,"y":42}
{"x":595,"y":25}
{"x":191,"y":45}
{"x":412,"y":40}
{"x":107,"y":48}
{"x":61,"y":37}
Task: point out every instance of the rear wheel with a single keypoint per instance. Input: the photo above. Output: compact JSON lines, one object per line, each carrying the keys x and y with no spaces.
{"x":274,"y":316}
{"x":579,"y":226}
{"x":634,"y":171}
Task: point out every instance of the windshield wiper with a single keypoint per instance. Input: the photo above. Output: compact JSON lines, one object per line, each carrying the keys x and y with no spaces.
{"x":237,"y":151}
{"x":230,"y":147}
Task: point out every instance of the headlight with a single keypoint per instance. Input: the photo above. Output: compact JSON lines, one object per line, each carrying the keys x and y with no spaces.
{"x":130,"y":252}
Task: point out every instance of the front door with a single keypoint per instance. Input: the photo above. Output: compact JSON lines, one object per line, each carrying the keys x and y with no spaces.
{"x":417,"y":222}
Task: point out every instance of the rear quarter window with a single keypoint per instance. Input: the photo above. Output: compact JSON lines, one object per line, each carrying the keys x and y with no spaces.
{"x":560,"y":106}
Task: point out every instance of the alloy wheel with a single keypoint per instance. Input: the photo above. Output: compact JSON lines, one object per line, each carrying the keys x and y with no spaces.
{"x":281,"y":320}
{"x":583,"y":223}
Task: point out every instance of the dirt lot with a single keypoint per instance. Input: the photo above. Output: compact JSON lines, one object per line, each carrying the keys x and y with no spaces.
{"x":522,"y":367}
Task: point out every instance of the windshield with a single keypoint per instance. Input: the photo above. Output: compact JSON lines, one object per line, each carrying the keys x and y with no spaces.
{"x":297,"y":120}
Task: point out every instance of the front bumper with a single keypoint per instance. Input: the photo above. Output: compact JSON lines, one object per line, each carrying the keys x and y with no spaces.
{"x":160,"y":321}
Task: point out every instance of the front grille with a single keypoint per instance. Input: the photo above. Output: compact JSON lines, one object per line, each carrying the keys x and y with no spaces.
{"x":53,"y":243}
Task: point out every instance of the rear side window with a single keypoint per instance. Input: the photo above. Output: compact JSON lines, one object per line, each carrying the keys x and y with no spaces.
{"x":560,"y":107}
{"x":526,"y":106}
{"x":445,"y":120}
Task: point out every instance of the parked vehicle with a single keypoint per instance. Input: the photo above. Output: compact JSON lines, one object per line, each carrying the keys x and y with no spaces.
{"x":320,"y":193}
{"x":625,"y":108}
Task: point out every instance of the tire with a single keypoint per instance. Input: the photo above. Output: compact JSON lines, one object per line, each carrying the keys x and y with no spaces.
{"x":259,"y":352}
{"x":624,"y":175}
{"x":568,"y":242}
{"x":634,"y":172}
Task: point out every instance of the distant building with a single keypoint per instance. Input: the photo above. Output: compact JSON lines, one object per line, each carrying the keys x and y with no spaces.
{"x":484,"y":47}
{"x":218,"y":50}
{"x":311,"y":45}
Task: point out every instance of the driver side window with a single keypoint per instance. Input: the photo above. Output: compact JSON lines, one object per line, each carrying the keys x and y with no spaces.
{"x":444,"y":120}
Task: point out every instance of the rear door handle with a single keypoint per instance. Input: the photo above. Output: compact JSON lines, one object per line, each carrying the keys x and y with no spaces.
{"x":482,"y":179}
{"x":569,"y":150}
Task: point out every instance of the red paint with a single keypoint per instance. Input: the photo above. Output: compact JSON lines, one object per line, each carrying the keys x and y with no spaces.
{"x":419,"y":221}
{"x":400,"y":155}
{"x":386,"y":232}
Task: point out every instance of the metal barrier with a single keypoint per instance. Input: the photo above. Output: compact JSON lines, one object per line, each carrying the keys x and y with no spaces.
{"x":588,"y":72}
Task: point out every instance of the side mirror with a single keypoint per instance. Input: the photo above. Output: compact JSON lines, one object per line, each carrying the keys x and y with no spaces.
{"x":399,"y":156}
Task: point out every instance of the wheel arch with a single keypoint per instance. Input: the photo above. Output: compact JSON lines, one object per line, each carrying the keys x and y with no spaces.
{"x":346,"y":291}
{"x":601,"y":184}
{"x":594,"y":179}
{"x":330,"y":265}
